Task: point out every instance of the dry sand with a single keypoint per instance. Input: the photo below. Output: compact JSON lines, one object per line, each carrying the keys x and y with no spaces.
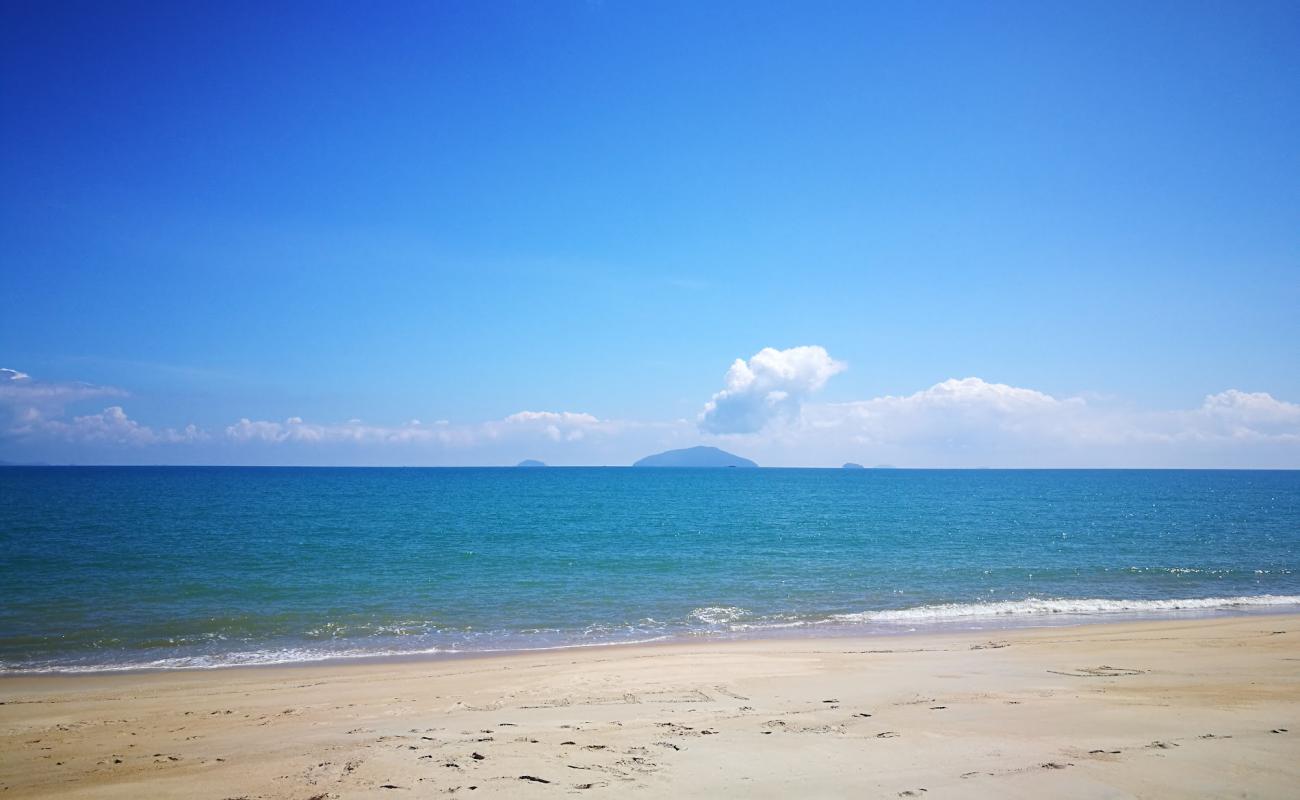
{"x":1153,"y":709}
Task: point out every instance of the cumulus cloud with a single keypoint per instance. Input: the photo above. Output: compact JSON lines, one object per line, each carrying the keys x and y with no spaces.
{"x":32,"y":409}
{"x":553,"y":425}
{"x":552,"y":417}
{"x":771,"y":385}
{"x":956,"y":422}
{"x":767,"y":408}
{"x":110,"y":426}
{"x":114,"y":426}
{"x":296,"y":430}
{"x":971,"y":409}
{"x":1251,"y":414}
{"x":558,"y":426}
{"x":19,"y":393}
{"x":971,"y":421}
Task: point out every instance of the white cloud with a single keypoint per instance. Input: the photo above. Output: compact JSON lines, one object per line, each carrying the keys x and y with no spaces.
{"x":1251,"y":414}
{"x":566,"y":426}
{"x":771,"y":386}
{"x":966,"y":392}
{"x":296,"y":430}
{"x":20,"y":392}
{"x":956,"y":422}
{"x":973,"y":422}
{"x":556,"y":426}
{"x":552,"y":417}
{"x":110,"y":426}
{"x":765,"y":411}
{"x":964,"y":408}
{"x":34,"y":408}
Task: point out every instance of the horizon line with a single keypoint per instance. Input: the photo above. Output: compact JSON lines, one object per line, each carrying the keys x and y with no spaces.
{"x":631,"y":466}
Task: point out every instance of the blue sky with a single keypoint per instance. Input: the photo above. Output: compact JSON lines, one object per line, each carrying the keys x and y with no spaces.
{"x":456,"y":212}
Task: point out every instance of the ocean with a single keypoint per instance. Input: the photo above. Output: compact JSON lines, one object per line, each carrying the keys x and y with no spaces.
{"x":109,"y":568}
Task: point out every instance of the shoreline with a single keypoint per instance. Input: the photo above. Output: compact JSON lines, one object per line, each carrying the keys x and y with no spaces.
{"x":795,"y":632}
{"x":808,"y":637}
{"x":1154,"y":708}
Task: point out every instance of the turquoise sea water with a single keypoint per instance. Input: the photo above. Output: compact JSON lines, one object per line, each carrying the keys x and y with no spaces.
{"x":110,"y":568}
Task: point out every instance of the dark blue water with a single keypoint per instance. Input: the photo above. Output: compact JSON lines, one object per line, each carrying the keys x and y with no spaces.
{"x":175,"y":567}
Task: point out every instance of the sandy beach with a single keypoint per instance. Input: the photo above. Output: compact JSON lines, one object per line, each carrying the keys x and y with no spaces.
{"x":1207,"y":707}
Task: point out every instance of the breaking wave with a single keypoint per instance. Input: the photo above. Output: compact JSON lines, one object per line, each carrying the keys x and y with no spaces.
{"x":1034,"y":606}
{"x":705,"y":621}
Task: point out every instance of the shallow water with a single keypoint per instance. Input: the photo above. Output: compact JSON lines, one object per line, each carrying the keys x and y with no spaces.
{"x":110,"y":568}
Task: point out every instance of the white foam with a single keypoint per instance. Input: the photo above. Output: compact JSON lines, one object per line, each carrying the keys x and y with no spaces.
{"x":718,"y":615}
{"x":264,"y":658}
{"x":1034,"y":606}
{"x":719,"y":619}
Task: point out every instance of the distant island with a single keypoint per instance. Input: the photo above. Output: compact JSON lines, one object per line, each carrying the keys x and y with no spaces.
{"x":531,"y":462}
{"x":695,"y":457}
{"x":852,"y":465}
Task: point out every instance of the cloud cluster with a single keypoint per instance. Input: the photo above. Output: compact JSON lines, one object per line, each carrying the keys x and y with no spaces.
{"x":1251,"y":415}
{"x":966,"y":410}
{"x":20,"y":393}
{"x":765,"y":411}
{"x":113,"y":426}
{"x":36,"y":409}
{"x":295,"y":430}
{"x":970,"y":422}
{"x":556,"y":426}
{"x":772,"y":385}
{"x":33,"y":409}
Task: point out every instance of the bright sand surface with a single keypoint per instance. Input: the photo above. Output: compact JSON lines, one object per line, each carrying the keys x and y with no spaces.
{"x":1207,"y":707}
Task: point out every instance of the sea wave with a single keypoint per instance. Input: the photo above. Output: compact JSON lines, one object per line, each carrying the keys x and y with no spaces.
{"x":705,"y":621}
{"x":293,"y":655}
{"x":1034,"y":606}
{"x":719,"y":615}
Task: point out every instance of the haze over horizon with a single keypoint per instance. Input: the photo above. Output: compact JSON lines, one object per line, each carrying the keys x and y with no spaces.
{"x":470,"y":234}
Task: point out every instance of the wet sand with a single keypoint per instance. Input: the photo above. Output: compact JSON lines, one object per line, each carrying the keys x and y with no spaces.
{"x":1207,"y":707}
